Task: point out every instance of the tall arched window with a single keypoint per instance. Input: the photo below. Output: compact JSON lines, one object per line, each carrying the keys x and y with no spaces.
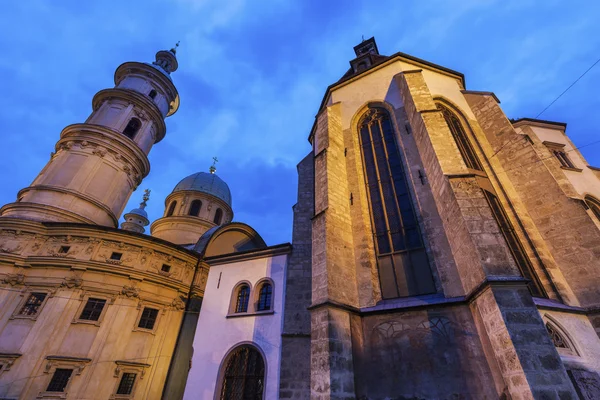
{"x":514,"y":245}
{"x":218,"y":216}
{"x":195,"y":208}
{"x":243,"y":296}
{"x":243,"y":376}
{"x":402,"y":261}
{"x":460,"y":137}
{"x":594,"y":205}
{"x":265,"y":297}
{"x":171,"y":209}
{"x":132,"y":128}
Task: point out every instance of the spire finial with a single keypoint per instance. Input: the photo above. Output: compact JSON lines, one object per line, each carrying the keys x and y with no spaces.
{"x":213,"y":167}
{"x":145,"y":198}
{"x":174,"y":49}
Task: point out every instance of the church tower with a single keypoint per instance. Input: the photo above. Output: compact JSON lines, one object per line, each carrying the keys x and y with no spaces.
{"x":98,"y":164}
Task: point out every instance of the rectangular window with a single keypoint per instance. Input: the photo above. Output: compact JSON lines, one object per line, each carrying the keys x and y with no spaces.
{"x":148,"y":318}
{"x":165,"y":268}
{"x":116,"y":256}
{"x":93,"y":309}
{"x":64,"y":249}
{"x":564,"y":160}
{"x":33,"y":304}
{"x":59,"y":380}
{"x":126,"y":383}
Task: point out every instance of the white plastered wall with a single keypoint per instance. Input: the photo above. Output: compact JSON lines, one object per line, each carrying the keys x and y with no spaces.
{"x":216,"y":334}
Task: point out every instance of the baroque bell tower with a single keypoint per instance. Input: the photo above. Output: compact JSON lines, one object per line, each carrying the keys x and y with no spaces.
{"x":96,"y":165}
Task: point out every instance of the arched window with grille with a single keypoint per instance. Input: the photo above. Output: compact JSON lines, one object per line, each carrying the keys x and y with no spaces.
{"x":559,"y":338}
{"x":171,"y":209}
{"x":242,"y":298}
{"x":460,"y":137}
{"x":265,"y":297}
{"x":243,"y":374}
{"x":195,"y":208}
{"x":218,"y":216}
{"x":132,"y":128}
{"x":402,"y":262}
{"x":594,"y":205}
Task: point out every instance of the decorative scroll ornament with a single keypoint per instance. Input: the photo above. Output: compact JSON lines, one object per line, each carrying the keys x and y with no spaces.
{"x":72,"y":282}
{"x":130,"y":291}
{"x":178,"y":304}
{"x":14,"y":279}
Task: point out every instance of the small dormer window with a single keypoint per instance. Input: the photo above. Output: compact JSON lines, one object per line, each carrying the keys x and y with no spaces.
{"x":152,"y":94}
{"x":132,"y":128}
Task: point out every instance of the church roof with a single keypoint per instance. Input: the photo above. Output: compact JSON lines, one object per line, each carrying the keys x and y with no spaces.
{"x":206,"y":183}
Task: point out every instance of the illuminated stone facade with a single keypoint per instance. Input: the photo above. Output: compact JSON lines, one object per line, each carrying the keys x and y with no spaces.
{"x":439,"y":251}
{"x":505,"y":227}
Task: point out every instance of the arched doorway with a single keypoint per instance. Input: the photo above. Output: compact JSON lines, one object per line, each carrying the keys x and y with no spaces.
{"x":243,"y":374}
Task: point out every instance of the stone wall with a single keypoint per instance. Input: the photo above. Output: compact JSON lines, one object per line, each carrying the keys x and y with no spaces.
{"x":570,"y":234}
{"x":295,"y":342}
{"x":433,"y":353}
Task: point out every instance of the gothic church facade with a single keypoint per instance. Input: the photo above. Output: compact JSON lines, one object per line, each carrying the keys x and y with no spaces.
{"x":439,"y":251}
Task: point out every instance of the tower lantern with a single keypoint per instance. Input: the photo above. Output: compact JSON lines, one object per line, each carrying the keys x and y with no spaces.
{"x":97,"y":164}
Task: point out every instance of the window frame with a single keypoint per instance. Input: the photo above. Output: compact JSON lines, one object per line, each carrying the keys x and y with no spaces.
{"x":84,"y":300}
{"x":234,"y":297}
{"x":571,"y":350}
{"x":25,"y":297}
{"x":557,"y":150}
{"x":53,"y":363}
{"x":224,"y":364}
{"x":192,"y":203}
{"x":143,"y":305}
{"x":258,"y":287}
{"x":125,"y":367}
{"x":593,"y":204}
{"x":219,"y":214}
{"x":171,"y":209}
{"x":137,"y":130}
{"x":7,"y":360}
{"x":408,"y":250}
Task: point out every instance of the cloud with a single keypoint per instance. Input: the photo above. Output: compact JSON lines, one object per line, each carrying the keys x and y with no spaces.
{"x":252,"y":75}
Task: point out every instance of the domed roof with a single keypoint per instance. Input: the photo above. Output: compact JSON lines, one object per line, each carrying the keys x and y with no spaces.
{"x":139,"y":211}
{"x":206,"y":183}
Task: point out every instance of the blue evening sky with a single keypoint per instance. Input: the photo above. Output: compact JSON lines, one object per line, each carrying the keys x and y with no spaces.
{"x":252,"y":74}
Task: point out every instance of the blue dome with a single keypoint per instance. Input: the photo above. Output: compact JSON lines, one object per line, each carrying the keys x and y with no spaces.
{"x":206,"y":183}
{"x":139,"y":211}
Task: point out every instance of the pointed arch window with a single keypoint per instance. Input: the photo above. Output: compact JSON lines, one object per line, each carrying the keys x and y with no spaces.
{"x":460,"y":137}
{"x":243,"y":376}
{"x":594,"y":205}
{"x":560,"y":339}
{"x":243,"y":297}
{"x":218,"y":216}
{"x":195,"y":208}
{"x":402,"y":262}
{"x":132,"y":128}
{"x":265,"y":297}
{"x":171,"y":209}
{"x":514,"y":244}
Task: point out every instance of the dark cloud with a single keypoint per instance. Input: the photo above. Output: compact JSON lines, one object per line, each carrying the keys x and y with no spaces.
{"x":252,"y":74}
